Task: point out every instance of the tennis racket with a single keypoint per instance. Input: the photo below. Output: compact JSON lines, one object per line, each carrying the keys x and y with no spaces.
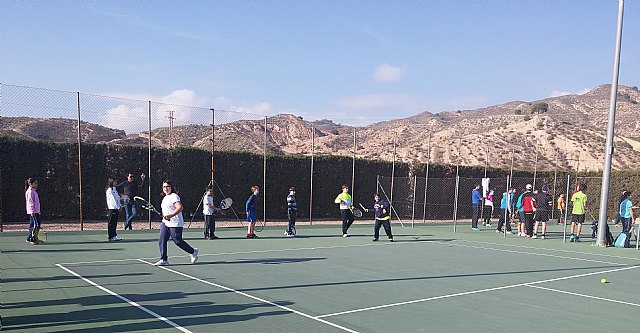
{"x":146,"y":205}
{"x":361,"y":206}
{"x":226,"y":203}
{"x":41,"y":236}
{"x":355,"y":211}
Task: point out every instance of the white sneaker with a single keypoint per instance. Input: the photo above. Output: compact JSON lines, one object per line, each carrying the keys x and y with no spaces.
{"x":543,"y":237}
{"x":534,"y":236}
{"x":488,"y":224}
{"x":194,"y":256}
{"x":115,"y":239}
{"x":161,"y":263}
{"x":509,"y":233}
{"x":345,"y":235}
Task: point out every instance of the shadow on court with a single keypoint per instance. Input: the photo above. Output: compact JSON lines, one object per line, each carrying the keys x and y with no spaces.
{"x":69,"y":277}
{"x":42,"y":248}
{"x":422,"y":278}
{"x":113,"y":316}
{"x":266,"y":261}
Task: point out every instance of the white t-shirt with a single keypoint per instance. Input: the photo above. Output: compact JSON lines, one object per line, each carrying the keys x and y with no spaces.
{"x":208,"y":200}
{"x":168,"y":206}
{"x":113,"y":199}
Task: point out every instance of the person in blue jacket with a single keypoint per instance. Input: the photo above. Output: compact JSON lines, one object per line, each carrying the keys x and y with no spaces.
{"x":476,"y":207}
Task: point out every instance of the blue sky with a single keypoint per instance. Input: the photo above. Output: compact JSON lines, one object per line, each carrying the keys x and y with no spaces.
{"x":355,"y":62}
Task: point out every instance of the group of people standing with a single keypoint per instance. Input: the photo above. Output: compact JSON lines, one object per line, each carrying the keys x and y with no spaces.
{"x":121,"y":195}
{"x":531,"y":209}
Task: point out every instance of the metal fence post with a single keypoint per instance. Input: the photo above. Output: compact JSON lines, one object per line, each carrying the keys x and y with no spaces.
{"x":264,"y":175}
{"x":393,"y":168}
{"x":566,"y":210}
{"x":353,"y":168}
{"x":313,"y":145}
{"x":413,"y":210}
{"x":535,"y":168}
{"x":455,"y":201}
{"x":149,"y":153}
{"x":426,"y":181}
{"x":80,"y":165}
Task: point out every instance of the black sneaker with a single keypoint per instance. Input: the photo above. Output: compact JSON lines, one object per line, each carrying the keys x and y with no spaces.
{"x":391,"y":239}
{"x":375,"y":239}
{"x":254,"y":236}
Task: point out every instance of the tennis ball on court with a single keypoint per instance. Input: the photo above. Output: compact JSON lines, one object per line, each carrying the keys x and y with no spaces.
{"x":603,"y":280}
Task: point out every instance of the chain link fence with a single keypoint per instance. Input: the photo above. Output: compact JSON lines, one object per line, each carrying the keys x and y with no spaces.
{"x":73,"y":142}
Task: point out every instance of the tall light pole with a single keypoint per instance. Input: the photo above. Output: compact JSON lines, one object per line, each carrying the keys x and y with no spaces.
{"x":608,"y":154}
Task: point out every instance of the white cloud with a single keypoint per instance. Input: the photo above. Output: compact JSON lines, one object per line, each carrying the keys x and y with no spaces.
{"x":388,"y":73}
{"x":131,"y":112}
{"x":131,"y":119}
{"x":557,"y":93}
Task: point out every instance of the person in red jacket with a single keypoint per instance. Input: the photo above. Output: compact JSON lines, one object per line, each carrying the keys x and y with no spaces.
{"x":529,"y":208}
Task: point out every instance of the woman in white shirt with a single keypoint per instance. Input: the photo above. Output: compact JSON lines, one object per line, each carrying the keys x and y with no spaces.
{"x":172,"y":224}
{"x":113,"y":203}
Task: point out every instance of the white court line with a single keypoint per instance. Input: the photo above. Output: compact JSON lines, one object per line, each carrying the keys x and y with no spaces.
{"x":473,"y":292}
{"x":528,"y":253}
{"x":554,"y":250}
{"x":176,"y":326}
{"x":254,"y":298}
{"x":582,"y":295}
{"x":252,"y":252}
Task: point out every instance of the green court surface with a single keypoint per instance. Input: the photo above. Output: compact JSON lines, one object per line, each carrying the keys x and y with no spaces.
{"x":429,"y":280}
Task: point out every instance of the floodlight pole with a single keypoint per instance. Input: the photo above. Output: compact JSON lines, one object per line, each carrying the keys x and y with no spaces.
{"x":608,"y":155}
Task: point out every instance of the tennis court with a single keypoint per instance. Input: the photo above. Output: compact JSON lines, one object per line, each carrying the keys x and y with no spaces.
{"x":428,"y":280}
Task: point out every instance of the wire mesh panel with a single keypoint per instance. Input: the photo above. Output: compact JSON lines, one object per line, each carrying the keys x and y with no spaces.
{"x":114,"y":145}
{"x":238,"y":161}
{"x":288,"y":147}
{"x":28,"y":113}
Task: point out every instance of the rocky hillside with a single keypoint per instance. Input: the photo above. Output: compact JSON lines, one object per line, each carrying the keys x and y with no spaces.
{"x":567,"y":131}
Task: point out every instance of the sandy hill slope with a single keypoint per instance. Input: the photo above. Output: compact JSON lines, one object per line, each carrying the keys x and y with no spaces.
{"x":568,"y":132}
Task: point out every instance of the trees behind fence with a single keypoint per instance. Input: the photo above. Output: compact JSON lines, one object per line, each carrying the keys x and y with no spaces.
{"x":75,"y":156}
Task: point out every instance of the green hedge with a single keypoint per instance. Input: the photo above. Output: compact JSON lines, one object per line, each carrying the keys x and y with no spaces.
{"x":55,"y":165}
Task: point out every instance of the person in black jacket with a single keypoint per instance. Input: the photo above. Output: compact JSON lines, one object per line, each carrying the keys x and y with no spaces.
{"x":382,"y":210}
{"x":544,"y":202}
{"x":130,"y":188}
{"x":292,"y":211}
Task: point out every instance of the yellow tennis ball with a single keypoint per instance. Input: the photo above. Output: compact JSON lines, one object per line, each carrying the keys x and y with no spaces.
{"x":603,"y":280}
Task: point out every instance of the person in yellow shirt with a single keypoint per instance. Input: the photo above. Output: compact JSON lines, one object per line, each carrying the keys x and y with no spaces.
{"x":344,"y":199}
{"x":579,"y":201}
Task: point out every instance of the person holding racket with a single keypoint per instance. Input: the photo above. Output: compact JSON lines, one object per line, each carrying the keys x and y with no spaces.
{"x":130,"y":188}
{"x":251,"y":208}
{"x":208,"y":210}
{"x":382,"y":210}
{"x":113,"y":204}
{"x":172,"y":225}
{"x":33,"y":210}
{"x":344,"y":199}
